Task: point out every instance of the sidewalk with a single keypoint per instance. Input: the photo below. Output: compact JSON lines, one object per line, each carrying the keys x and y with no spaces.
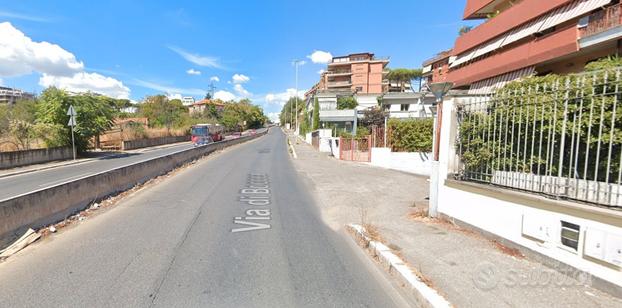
{"x":468,"y":270}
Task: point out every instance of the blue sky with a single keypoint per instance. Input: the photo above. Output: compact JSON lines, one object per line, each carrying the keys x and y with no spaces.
{"x":138,"y":48}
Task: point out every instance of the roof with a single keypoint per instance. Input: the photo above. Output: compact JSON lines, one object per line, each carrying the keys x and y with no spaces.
{"x":439,"y":56}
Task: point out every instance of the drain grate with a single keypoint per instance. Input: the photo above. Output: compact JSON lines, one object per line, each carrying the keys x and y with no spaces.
{"x":264,"y":151}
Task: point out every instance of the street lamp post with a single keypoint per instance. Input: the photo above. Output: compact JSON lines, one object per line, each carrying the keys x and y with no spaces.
{"x":296,"y":62}
{"x":439,"y":90}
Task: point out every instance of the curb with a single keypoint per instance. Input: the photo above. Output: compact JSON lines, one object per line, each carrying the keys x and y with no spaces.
{"x":424,"y":294}
{"x":291,"y":147}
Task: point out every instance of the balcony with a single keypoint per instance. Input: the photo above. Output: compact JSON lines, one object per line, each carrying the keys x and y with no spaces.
{"x":602,"y":26}
{"x":339,"y":84}
{"x":339,"y":72}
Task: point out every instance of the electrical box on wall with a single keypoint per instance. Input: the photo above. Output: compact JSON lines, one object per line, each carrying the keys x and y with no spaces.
{"x":602,"y":245}
{"x":540,"y":227}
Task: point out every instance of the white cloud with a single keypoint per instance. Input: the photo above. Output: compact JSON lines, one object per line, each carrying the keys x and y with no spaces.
{"x":13,"y":15}
{"x":239,"y":78}
{"x":87,"y":82}
{"x":321,"y":71}
{"x":214,"y":78}
{"x":193,"y":72}
{"x":224,"y":95}
{"x":282,"y":97}
{"x":19,"y":55}
{"x":168,"y":89}
{"x":197,"y":59}
{"x":319,"y":56}
{"x":273,"y":116}
{"x":241,"y":91}
{"x":1,"y":82}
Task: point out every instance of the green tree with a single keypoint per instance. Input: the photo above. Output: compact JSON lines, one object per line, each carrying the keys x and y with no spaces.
{"x":286,"y":112}
{"x":163,"y":112}
{"x":346,"y":102}
{"x":94,"y":116}
{"x":404,"y":76}
{"x":464,"y":29}
{"x":316,"y":114}
{"x":374,"y":116}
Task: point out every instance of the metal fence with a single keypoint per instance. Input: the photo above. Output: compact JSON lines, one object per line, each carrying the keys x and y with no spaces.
{"x":561,"y":137}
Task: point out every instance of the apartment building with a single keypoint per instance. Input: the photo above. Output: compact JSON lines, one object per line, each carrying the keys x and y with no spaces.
{"x":11,"y":95}
{"x":522,"y":38}
{"x":361,"y":73}
{"x":435,"y":69}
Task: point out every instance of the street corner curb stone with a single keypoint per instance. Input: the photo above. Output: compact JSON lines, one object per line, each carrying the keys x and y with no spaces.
{"x":427,"y":296}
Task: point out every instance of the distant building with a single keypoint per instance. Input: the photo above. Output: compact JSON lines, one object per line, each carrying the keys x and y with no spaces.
{"x":199,"y":107}
{"x":408,"y":105}
{"x":532,"y":37}
{"x":187,"y":100}
{"x":357,"y":73}
{"x":435,"y":69}
{"x":11,"y":95}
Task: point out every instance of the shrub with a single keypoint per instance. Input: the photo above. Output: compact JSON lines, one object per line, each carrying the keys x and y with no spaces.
{"x":346,"y":102}
{"x":412,"y":135}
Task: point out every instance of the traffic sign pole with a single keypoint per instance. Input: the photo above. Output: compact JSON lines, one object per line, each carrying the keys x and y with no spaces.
{"x":71,"y":112}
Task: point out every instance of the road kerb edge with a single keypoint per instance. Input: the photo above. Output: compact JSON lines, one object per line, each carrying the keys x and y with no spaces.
{"x":394,"y":264}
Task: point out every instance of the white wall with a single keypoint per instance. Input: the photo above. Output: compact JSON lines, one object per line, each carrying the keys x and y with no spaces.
{"x":412,"y":162}
{"x":510,"y":220}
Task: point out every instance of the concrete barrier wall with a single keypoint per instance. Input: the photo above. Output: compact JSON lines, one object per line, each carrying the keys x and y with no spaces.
{"x":29,"y":157}
{"x":151,"y":142}
{"x":49,"y":205}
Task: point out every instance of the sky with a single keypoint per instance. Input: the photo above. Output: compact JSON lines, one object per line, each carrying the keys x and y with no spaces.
{"x":131,"y":49}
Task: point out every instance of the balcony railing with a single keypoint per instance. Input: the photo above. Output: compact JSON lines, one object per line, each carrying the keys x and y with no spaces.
{"x":339,"y":72}
{"x":602,"y":21}
{"x":339,"y":83}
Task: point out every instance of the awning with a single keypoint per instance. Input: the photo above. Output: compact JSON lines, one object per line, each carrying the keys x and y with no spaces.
{"x":542,"y":23}
{"x":488,"y":86}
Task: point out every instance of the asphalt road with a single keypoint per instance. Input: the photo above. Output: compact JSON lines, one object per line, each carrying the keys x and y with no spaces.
{"x":236,"y":230}
{"x":22,"y":183}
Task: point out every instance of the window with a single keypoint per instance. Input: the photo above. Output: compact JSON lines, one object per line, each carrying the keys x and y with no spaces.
{"x":359,"y":88}
{"x":570,"y":235}
{"x":404,"y":107}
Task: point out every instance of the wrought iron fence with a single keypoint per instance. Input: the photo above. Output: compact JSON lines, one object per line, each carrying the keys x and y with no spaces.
{"x":561,"y":138}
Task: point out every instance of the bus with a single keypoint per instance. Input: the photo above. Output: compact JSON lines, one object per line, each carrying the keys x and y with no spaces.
{"x":206,"y":133}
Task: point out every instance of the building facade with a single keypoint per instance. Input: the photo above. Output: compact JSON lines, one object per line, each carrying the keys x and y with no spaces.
{"x":187,"y":100}
{"x":200,"y":106}
{"x":435,"y":69}
{"x":532,"y":37}
{"x":11,"y":95}
{"x":357,"y":73}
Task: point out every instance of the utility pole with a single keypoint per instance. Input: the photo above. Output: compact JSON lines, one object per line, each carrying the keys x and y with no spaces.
{"x":296,"y":62}
{"x":211,"y":89}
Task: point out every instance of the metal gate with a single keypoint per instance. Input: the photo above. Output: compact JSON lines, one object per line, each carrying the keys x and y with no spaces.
{"x":355,"y":149}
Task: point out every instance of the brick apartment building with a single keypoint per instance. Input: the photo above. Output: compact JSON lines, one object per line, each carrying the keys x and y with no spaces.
{"x":522,"y":38}
{"x":360,"y":73}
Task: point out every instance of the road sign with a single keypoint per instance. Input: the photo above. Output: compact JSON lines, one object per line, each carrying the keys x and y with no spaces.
{"x":71,"y":111}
